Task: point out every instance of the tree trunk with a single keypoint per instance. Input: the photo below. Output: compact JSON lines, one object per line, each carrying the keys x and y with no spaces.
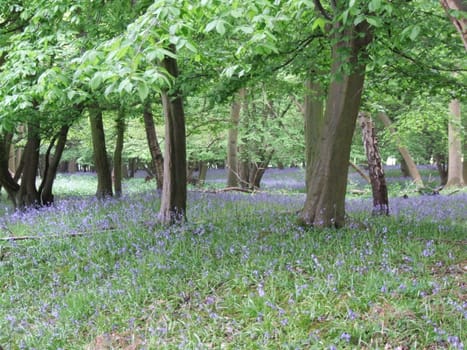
{"x":153,"y":143}
{"x":28,"y":196}
{"x":325,"y":200}
{"x":257,"y":170}
{"x":313,"y":114}
{"x":203,"y":170}
{"x":174,"y":189}
{"x":441,"y":165}
{"x":244,"y":173}
{"x":6,"y":179}
{"x":46,"y":186}
{"x":455,"y":171}
{"x":412,"y":167}
{"x":72,"y":166}
{"x":459,"y":22}
{"x":378,"y":181}
{"x":404,"y":168}
{"x":101,"y":162}
{"x":232,"y":143}
{"x":117,"y":163}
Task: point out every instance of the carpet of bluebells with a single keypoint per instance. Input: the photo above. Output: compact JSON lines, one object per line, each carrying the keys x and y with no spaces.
{"x":240,"y":274}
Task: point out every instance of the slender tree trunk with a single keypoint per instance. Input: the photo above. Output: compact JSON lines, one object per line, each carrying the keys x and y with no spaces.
{"x":378,"y":181}
{"x":117,"y":163}
{"x":411,"y":166}
{"x":203,"y":170}
{"x":232,"y":143}
{"x":153,"y":143}
{"x":455,"y":171}
{"x":46,"y":186}
{"x":174,"y":189}
{"x":6,"y":180}
{"x":101,"y":161}
{"x":325,"y":201}
{"x":441,"y":165}
{"x":405,"y":168}
{"x":28,"y":196}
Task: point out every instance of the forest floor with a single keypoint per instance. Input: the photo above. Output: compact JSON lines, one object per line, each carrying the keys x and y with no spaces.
{"x":240,"y":274}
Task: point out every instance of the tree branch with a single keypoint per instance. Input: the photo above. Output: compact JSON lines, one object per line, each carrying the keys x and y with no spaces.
{"x":321,"y":10}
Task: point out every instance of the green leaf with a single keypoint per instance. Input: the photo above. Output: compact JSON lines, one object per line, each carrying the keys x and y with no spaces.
{"x":95,"y":81}
{"x":220,"y":27}
{"x":125,"y":85}
{"x":374,"y":5}
{"x":143,"y":91}
{"x":211,"y":25}
{"x":319,"y":22}
{"x":414,"y":32}
{"x":374,"y":21}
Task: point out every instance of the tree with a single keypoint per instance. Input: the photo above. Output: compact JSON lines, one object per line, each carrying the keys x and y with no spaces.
{"x":174,"y":190}
{"x":455,"y":171}
{"x":378,"y":181}
{"x":325,"y":201}
{"x":232,"y":142}
{"x":117,"y":158}
{"x":157,"y":159}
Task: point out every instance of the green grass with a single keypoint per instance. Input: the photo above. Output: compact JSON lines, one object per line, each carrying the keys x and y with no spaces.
{"x":239,"y":275}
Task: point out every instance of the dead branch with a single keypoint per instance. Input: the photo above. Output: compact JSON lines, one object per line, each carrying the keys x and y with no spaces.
{"x":231,"y":189}
{"x":65,"y":235}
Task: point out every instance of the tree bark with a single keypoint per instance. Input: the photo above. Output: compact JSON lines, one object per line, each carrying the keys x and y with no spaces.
{"x":325,"y":200}
{"x":232,"y":142}
{"x":459,"y":23}
{"x":46,"y":186}
{"x":174,"y":189}
{"x":101,"y":161}
{"x":6,"y":179}
{"x":203,"y":170}
{"x":378,"y":181}
{"x":117,"y":163}
{"x":455,"y":170}
{"x":441,"y":165}
{"x":153,"y":143}
{"x":313,"y":115}
{"x":411,"y":166}
{"x":27,"y":195}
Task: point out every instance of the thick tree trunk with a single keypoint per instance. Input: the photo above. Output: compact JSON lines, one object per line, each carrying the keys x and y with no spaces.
{"x":153,"y":143}
{"x":232,"y":142}
{"x":101,"y":161}
{"x":28,"y":196}
{"x":455,"y":171}
{"x":313,"y":115}
{"x":411,"y":166}
{"x":174,"y":189}
{"x":117,"y":163}
{"x":325,"y":201}
{"x":46,"y":186}
{"x":378,"y":181}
